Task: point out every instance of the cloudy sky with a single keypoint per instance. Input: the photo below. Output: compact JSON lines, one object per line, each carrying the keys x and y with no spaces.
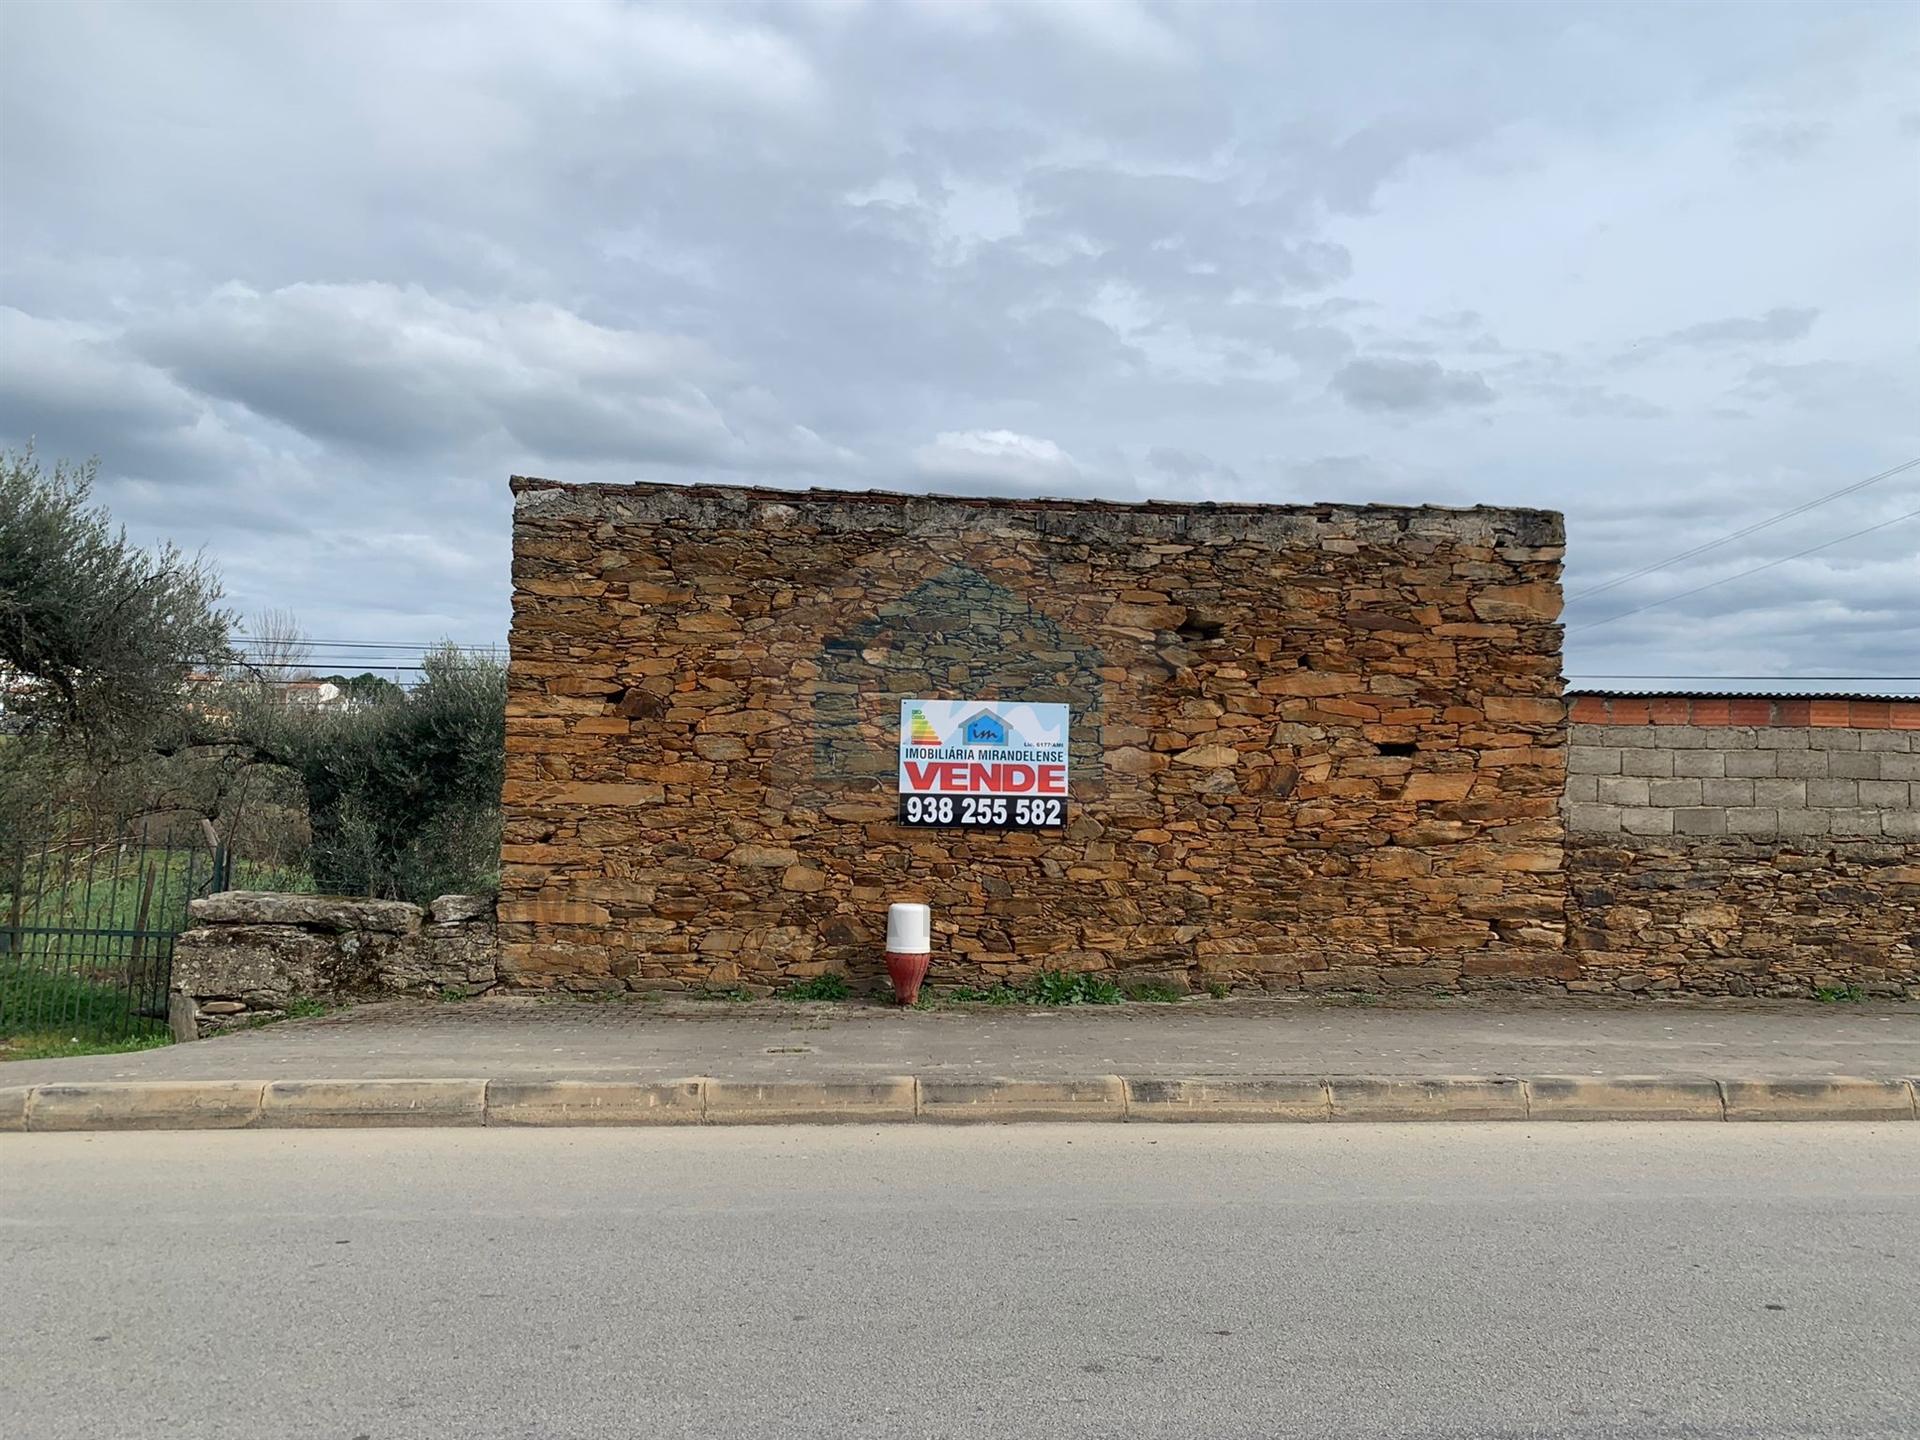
{"x":312,"y":280}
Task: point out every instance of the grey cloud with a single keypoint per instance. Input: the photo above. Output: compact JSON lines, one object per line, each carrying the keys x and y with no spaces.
{"x":1408,"y":386}
{"x":1005,"y":461}
{"x":387,"y":368}
{"x":1783,"y":140}
{"x":1120,"y":250}
{"x":1781,"y":323}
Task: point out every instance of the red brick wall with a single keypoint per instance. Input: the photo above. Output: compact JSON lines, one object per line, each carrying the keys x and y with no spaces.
{"x":1724,"y":710}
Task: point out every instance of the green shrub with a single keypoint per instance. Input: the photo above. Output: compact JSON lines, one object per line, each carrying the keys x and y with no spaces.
{"x":1043,"y":987}
{"x":1155,"y":992}
{"x":403,"y":793}
{"x":820,"y":987}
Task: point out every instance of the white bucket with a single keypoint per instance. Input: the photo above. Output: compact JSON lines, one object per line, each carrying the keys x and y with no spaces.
{"x":909,"y":929}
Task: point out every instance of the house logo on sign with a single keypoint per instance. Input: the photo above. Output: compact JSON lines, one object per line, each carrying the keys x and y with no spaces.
{"x":985,"y":728}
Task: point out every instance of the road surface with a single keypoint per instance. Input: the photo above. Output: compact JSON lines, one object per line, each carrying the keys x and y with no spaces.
{"x":1449,"y":1281}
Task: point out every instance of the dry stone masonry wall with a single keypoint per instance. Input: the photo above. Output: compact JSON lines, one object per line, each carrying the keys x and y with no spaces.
{"x":253,"y":953}
{"x":1780,"y":856}
{"x":1311,"y":746}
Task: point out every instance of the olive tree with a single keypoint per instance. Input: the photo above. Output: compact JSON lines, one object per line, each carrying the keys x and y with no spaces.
{"x":97,"y":635}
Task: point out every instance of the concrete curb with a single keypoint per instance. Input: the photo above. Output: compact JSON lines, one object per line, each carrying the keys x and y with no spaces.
{"x":703,"y":1100}
{"x":1624,"y":1097}
{"x":988,"y":1100}
{"x":1451,"y":1097}
{"x":338,"y":1104}
{"x":586,"y":1102}
{"x":888,"y":1098}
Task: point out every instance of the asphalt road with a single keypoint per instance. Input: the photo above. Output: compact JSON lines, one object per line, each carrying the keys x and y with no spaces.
{"x":1461,"y":1281}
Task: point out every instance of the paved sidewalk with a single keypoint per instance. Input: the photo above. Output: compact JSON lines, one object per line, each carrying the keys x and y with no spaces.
{"x":632,"y":1041}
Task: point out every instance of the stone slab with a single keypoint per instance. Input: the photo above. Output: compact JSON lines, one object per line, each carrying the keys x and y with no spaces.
{"x":1453,"y":1097}
{"x":312,"y":912}
{"x":320,"y":1104}
{"x":1101,"y":1097}
{"x":146,"y":1105}
{"x":13,"y":1106}
{"x":1623,"y":1097}
{"x":586,"y":1102}
{"x":1227,"y":1099}
{"x":1838,"y":1098}
{"x":888,"y":1098}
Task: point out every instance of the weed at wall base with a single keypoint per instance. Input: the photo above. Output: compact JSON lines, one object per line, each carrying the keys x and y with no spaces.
{"x":820,"y":987}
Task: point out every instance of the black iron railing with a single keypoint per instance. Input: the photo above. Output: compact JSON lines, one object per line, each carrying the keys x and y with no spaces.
{"x":87,"y":929}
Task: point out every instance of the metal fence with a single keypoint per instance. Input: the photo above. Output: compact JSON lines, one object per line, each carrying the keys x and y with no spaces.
{"x":87,"y":928}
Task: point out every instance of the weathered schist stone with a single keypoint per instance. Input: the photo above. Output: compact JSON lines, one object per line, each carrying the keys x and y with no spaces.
{"x":1728,"y":916}
{"x":1313,"y":746}
{"x":253,"y":953}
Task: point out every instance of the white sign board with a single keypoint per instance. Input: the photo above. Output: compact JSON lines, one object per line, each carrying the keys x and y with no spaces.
{"x":983,"y":764}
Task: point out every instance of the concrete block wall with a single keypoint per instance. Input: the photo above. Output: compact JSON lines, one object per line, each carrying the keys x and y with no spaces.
{"x":1766,"y":782}
{"x":1744,"y":845}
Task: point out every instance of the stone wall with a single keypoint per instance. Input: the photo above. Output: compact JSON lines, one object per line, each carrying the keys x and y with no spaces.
{"x":1312,"y":746}
{"x":1744,"y":845}
{"x":252,"y":953}
{"x":1731,"y":916}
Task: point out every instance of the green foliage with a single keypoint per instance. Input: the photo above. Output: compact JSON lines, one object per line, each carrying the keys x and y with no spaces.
{"x":1043,"y":987}
{"x":95,"y":886}
{"x":820,"y":987}
{"x":1155,"y":992}
{"x":732,"y":993}
{"x":67,"y":1007}
{"x":307,"y":1007}
{"x":1839,"y":994}
{"x":403,"y":794}
{"x":1219,"y":989}
{"x":60,"y":1044}
{"x":102,"y":632}
{"x":454,"y":994}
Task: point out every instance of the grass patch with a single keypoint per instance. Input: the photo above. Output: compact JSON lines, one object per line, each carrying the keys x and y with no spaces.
{"x":721,"y":992}
{"x":58,"y":1044}
{"x":453,"y":994}
{"x":1839,"y":994}
{"x":34,"y":1002}
{"x":1219,"y":989}
{"x":1155,"y":992}
{"x":298,"y":1007}
{"x":819,"y":987}
{"x":1043,"y":987}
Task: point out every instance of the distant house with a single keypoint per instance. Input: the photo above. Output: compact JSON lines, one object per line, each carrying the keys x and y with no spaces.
{"x":312,"y":695}
{"x":986,"y":728}
{"x":306,"y":693}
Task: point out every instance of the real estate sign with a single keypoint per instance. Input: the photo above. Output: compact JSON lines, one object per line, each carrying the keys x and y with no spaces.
{"x":983,"y":764}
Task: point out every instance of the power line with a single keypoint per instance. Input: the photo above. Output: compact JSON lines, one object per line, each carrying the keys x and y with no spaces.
{"x":1727,"y":579}
{"x":1754,"y":528}
{"x":298,"y":644}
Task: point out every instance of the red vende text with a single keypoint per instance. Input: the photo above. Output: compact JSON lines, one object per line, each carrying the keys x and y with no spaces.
{"x":968,"y":777}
